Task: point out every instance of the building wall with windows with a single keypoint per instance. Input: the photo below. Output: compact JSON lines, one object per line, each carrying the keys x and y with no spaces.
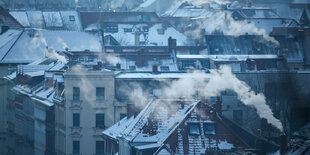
{"x":89,"y":109}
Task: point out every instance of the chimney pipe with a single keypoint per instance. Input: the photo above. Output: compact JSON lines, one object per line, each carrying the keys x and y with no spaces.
{"x":283,"y":144}
{"x":155,"y":69}
{"x":218,"y":106}
{"x":118,"y":66}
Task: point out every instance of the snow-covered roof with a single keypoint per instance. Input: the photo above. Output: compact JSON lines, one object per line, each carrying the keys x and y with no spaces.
{"x":71,"y":20}
{"x":181,"y":9}
{"x":118,"y":127}
{"x":7,"y":39}
{"x":32,"y":44}
{"x":35,"y":19}
{"x":67,"y":20}
{"x":229,"y":57}
{"x":52,"y":19}
{"x":167,"y":75}
{"x":21,"y":17}
{"x":152,"y":37}
{"x":168,"y":124}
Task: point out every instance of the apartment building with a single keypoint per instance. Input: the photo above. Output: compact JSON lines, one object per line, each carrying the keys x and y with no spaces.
{"x":89,"y":109}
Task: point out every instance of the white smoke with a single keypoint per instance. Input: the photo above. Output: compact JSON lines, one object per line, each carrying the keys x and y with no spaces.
{"x":222,"y":21}
{"x":218,"y":81}
{"x":202,"y":2}
{"x":53,"y":55}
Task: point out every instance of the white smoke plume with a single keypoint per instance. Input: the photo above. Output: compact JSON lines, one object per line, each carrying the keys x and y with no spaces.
{"x":53,"y":55}
{"x":202,"y":2}
{"x":111,"y":59}
{"x":218,"y":81}
{"x":222,"y":21}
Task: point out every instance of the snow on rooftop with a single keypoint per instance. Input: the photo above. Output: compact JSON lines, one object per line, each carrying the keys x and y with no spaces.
{"x":168,"y":123}
{"x":152,"y":37}
{"x":118,"y":127}
{"x":71,"y":20}
{"x":35,"y":19}
{"x":21,"y":17}
{"x":167,"y":75}
{"x":224,"y":145}
{"x":228,"y":57}
{"x":147,"y":3}
{"x":32,"y":44}
{"x":7,"y":39}
{"x":52,"y":19}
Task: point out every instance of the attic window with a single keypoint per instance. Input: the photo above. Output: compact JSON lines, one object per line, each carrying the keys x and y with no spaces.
{"x":145,"y":18}
{"x":193,"y":128}
{"x":145,"y":29}
{"x":127,"y":29}
{"x":132,"y":68}
{"x":164,"y":68}
{"x":209,"y":128}
{"x":71,"y":18}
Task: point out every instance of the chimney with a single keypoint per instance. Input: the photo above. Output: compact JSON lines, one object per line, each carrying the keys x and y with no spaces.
{"x":283,"y":144}
{"x":98,"y":66}
{"x":218,"y":106}
{"x":49,"y":83}
{"x":118,"y":66}
{"x":139,"y":61}
{"x":172,"y":44}
{"x":137,"y":38}
{"x":202,"y":37}
{"x":21,"y":78}
{"x":155,"y":69}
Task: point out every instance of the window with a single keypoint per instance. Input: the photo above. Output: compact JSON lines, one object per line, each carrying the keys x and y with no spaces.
{"x":76,"y":93}
{"x":76,"y":147}
{"x":193,"y":51}
{"x":127,"y":29}
{"x":100,"y":121}
{"x":99,"y":147}
{"x":194,"y":128}
{"x":209,"y":128}
{"x":237,"y":116}
{"x":122,"y":115}
{"x":164,"y":68}
{"x":111,"y":29}
{"x":145,"y":29}
{"x":100,"y":93}
{"x":145,"y":18}
{"x":76,"y":120}
{"x":71,"y":18}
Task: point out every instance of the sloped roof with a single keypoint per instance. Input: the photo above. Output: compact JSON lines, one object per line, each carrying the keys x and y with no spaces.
{"x":133,"y":130}
{"x":52,"y":19}
{"x":21,"y":17}
{"x":7,"y":40}
{"x":9,"y":20}
{"x":90,"y":18}
{"x":32,"y":44}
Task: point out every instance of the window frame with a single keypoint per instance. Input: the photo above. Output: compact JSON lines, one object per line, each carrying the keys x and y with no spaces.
{"x":102,"y":96}
{"x":71,"y":18}
{"x":189,"y":128}
{"x":74,"y":121}
{"x":76,"y":96}
{"x":97,"y":149}
{"x":76,"y":143}
{"x":205,"y":126}
{"x":100,"y":123}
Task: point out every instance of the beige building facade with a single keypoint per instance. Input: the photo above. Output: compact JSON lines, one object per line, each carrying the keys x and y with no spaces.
{"x":89,"y":109}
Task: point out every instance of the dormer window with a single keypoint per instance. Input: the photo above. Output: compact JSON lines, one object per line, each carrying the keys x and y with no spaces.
{"x":209,"y":128}
{"x":193,"y":129}
{"x":72,"y":18}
